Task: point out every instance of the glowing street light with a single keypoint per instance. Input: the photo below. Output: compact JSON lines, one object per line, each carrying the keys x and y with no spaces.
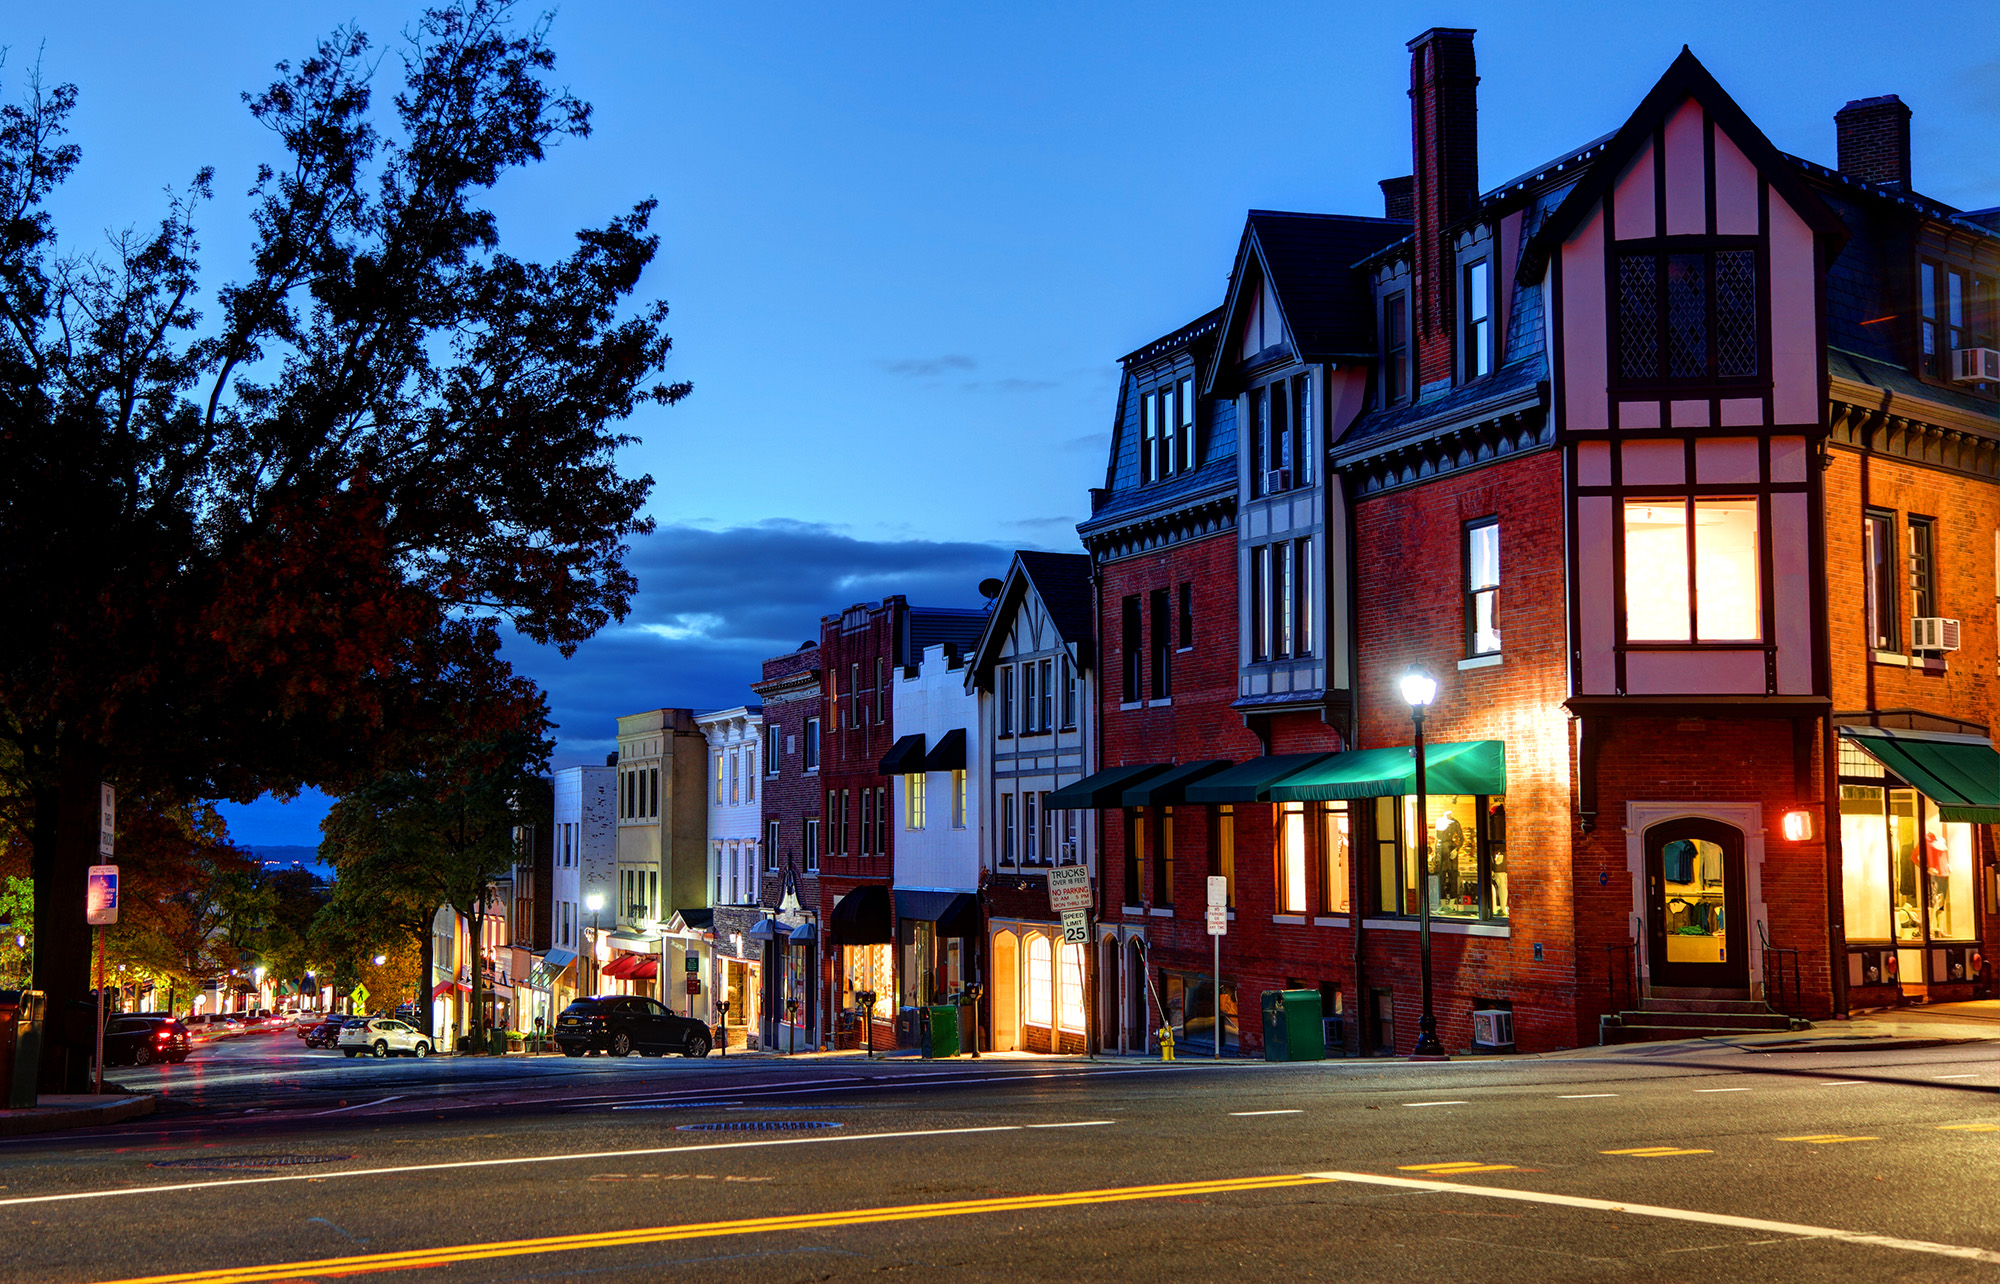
{"x":1419,"y":689}
{"x":380,"y":959}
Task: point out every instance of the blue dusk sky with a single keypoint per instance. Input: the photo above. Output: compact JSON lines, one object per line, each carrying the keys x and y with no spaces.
{"x":905,"y":245}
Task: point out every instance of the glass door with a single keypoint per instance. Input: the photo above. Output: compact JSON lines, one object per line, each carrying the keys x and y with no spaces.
{"x":1696,"y":928}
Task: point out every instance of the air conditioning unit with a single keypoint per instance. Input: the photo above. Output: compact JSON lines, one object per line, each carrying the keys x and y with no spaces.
{"x":1929,"y":633}
{"x":1277,"y":479}
{"x":1493,"y":1028}
{"x":1975,"y":365}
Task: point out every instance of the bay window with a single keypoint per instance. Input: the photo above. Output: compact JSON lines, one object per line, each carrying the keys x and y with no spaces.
{"x":1691,"y":570}
{"x":1477,"y":321}
{"x":1907,"y":874}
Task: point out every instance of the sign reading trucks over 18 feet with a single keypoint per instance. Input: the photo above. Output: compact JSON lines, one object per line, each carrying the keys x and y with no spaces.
{"x":1069,"y":888}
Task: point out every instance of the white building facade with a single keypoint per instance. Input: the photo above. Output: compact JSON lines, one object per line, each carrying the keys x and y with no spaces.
{"x":585,"y":864}
{"x":735,"y":810}
{"x":936,"y":815}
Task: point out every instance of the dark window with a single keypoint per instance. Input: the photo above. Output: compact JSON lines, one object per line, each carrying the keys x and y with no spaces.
{"x":1029,"y":697}
{"x":812,"y":744}
{"x":1149,"y":434}
{"x":1879,"y":536}
{"x":813,"y":845}
{"x":867,"y":822}
{"x":653,"y":791}
{"x":1047,"y":709}
{"x":1687,"y":317}
{"x":1302,"y":431}
{"x":1134,"y":656}
{"x":1260,"y":420}
{"x":771,"y":834}
{"x":1283,"y":587}
{"x":1302,"y":600}
{"x":1135,"y":843}
{"x":1396,"y":347}
{"x":1163,"y":646}
{"x":1957,"y":312}
{"x":1478,"y":321}
{"x":1187,"y":613}
{"x":1482,"y":587}
{"x":771,"y":757}
{"x":882,"y":819}
{"x":1069,"y":692}
{"x":1163,"y":861}
{"x":1260,"y":595}
{"x":1184,"y":450}
{"x":1004,"y":680}
{"x":1278,"y":448}
{"x":1923,"y":569}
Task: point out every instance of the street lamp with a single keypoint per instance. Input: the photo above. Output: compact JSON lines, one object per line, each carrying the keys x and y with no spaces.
{"x":380,"y":959}
{"x":1419,"y":689}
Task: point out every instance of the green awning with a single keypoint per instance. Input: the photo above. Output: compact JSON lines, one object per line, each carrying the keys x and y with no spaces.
{"x":1471,"y":767}
{"x":1961,"y":774}
{"x":1102,"y":789}
{"x":1170,"y":787}
{"x":1250,"y":781}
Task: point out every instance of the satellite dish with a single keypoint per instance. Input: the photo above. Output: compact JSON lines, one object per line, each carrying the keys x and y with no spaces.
{"x":989,"y":588}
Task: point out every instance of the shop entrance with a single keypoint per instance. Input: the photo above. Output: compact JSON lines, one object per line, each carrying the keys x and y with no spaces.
{"x":1695,"y":910}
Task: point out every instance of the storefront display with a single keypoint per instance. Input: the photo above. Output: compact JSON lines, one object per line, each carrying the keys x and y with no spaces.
{"x":1465,"y":861}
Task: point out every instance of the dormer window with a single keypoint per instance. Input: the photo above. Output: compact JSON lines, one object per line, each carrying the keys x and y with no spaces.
{"x":1476,"y":324}
{"x":1166,"y":431}
{"x":1688,"y":317}
{"x":1396,"y":348}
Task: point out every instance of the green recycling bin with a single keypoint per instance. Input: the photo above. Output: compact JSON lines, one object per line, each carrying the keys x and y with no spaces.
{"x":496,"y":1043}
{"x":1293,"y":1030}
{"x":944,"y":1030}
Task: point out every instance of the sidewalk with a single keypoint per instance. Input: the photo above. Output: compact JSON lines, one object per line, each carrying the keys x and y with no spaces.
{"x":1935,"y":1025}
{"x":73,"y":1110}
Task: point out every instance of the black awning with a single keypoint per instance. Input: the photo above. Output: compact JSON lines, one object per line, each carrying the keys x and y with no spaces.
{"x":863,"y":918}
{"x":955,"y":913}
{"x":949,"y":755}
{"x":904,"y":757}
{"x":1170,"y":787}
{"x":1103,"y":788}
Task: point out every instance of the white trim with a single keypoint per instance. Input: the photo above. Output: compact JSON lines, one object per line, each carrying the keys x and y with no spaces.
{"x":1295,"y":920}
{"x":1168,"y":912}
{"x":1330,"y":920}
{"x":1748,"y":818}
{"x":1500,"y":930}
{"x":1487,"y":661}
{"x":1892,"y":657}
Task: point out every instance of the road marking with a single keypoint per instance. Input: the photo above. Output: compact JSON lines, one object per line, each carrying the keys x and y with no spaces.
{"x":1081,"y":1123}
{"x":1722,"y":1090}
{"x":370,"y":1263}
{"x":1844,"y":1083}
{"x":397,"y":1169}
{"x":1584,"y":1096}
{"x":1245,"y":1114}
{"x":1655,"y":1152}
{"x":1969,"y":1127}
{"x":1672,"y":1214}
{"x":1458,"y":1166}
{"x":1414,"y":1104}
{"x":363,"y":1106}
{"x":1954,"y":1076}
{"x":1827,"y":1138}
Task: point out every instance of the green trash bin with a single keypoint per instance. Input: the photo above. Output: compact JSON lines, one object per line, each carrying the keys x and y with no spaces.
{"x":496,"y":1042}
{"x":1293,"y":1030}
{"x":944,"y":1030}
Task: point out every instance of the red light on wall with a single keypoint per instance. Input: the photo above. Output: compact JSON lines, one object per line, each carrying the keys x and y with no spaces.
{"x":1798,"y":826}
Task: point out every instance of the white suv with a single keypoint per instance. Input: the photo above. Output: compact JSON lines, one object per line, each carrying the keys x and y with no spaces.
{"x":382,"y":1036}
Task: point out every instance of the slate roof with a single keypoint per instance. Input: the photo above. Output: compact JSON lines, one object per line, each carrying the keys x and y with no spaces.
{"x":1063,"y":580}
{"x":928,"y":626}
{"x":1327,"y":305}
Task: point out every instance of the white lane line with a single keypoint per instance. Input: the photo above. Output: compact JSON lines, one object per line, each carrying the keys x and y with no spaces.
{"x":1414,"y":1104}
{"x":1673,"y":1214}
{"x":1722,"y":1090}
{"x":321,"y":1175}
{"x":1584,"y":1096}
{"x":1844,"y":1083}
{"x":1245,"y":1114}
{"x":1081,"y":1123}
{"x":363,"y":1106}
{"x":1954,"y":1076}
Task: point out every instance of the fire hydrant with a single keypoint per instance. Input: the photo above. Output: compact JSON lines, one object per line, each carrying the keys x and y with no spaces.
{"x":1166,"y":1033}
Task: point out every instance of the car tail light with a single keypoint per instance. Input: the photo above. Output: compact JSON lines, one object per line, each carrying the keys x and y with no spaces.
{"x":163,"y":1036}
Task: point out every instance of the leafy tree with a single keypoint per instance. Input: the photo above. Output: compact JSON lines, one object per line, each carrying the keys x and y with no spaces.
{"x":190,"y":905}
{"x":230,"y":543}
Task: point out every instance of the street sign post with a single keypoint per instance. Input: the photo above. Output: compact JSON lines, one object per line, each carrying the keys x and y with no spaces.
{"x":107,"y":817}
{"x":1069,"y":888}
{"x":1076,"y":927}
{"x":100,"y":910}
{"x":1218,"y":927}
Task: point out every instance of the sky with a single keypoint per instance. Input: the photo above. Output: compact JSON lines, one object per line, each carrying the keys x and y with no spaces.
{"x":904,"y":245}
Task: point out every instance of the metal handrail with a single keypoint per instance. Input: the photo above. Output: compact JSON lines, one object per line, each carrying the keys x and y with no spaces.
{"x":1774,"y":976}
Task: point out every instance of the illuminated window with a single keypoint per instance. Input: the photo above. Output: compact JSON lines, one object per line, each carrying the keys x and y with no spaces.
{"x":1292,"y":858}
{"x":1224,"y":864}
{"x":1482,"y":587}
{"x":1701,"y":582}
{"x":1069,"y":995}
{"x":913,"y":800}
{"x":1334,"y":875}
{"x":958,"y":800}
{"x":1465,"y":857}
{"x":1041,"y":980}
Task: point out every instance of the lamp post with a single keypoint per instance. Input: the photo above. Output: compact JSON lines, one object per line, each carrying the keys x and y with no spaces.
{"x":1419,"y":689}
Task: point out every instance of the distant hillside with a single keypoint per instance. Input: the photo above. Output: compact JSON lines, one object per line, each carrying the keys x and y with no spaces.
{"x":287,"y":857}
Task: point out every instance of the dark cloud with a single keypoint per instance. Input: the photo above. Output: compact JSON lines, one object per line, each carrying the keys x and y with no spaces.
{"x":927,"y":367}
{"x":714,"y":604}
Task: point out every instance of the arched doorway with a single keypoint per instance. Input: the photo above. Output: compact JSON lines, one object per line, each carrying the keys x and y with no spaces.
{"x":1135,"y":995}
{"x":1697,"y":920}
{"x":1006,"y":991}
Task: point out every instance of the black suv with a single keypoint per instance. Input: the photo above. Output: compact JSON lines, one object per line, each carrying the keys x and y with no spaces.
{"x":144,"y":1038}
{"x":619,"y":1025}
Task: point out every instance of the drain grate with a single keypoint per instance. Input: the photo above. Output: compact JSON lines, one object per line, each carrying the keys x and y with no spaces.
{"x":225,"y":1162}
{"x":757,"y":1125}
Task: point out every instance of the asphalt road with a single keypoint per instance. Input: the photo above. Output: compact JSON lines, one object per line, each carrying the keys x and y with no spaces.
{"x":1679,"y":1163}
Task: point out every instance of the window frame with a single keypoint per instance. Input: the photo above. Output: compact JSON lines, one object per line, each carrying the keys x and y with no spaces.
{"x":1475,"y":319}
{"x":914,"y":785}
{"x":1690,"y":504}
{"x":810,"y":749}
{"x":1471,"y":532}
{"x":1159,"y":609}
{"x":1882,"y":587}
{"x":1396,"y":363}
{"x":1386,"y":871}
{"x":1663,"y":251}
{"x":1920,"y":562}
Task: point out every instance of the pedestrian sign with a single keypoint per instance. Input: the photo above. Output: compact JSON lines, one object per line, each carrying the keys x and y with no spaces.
{"x":359,"y":996}
{"x":1076,"y":927}
{"x":101,"y":902}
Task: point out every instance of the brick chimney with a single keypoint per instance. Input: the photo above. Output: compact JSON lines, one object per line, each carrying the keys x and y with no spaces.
{"x":1398,"y":197}
{"x":1874,"y":137}
{"x":1444,"y":134}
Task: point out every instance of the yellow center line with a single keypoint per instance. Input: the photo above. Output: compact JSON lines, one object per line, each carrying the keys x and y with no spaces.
{"x":1827,"y":1138}
{"x":418,"y":1258}
{"x":1655,"y":1152}
{"x":1969,"y":1127}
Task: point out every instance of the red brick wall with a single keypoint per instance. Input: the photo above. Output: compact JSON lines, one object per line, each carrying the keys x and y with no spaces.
{"x":1444,"y":128}
{"x":792,"y":796}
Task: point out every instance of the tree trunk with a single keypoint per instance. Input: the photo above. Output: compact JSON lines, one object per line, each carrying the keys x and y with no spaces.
{"x":64,"y":838}
{"x":426,"y":980}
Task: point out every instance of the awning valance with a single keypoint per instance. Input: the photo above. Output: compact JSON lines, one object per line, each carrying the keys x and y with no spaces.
{"x":764,"y":930}
{"x":1102,"y":789}
{"x":863,"y":918}
{"x":1467,"y":767}
{"x":1170,"y":786}
{"x":904,"y":757}
{"x":635,"y":967}
{"x":803,"y":932}
{"x":955,"y":913}
{"x":1249,"y":781}
{"x":1961,"y":774}
{"x":949,"y":753}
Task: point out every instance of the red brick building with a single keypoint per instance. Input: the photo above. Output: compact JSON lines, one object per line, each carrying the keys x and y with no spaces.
{"x":790,"y":849}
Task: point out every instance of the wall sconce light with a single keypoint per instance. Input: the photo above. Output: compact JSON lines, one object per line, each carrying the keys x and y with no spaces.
{"x":1798,"y":826}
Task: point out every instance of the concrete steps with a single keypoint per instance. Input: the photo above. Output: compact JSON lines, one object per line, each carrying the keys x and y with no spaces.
{"x":1711,"y":1015}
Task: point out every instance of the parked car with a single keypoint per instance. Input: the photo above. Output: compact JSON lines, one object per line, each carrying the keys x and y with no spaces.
{"x":143,"y":1038}
{"x":620,"y":1025}
{"x":382,"y":1036}
{"x":213,"y":1025}
{"x":325,"y":1034}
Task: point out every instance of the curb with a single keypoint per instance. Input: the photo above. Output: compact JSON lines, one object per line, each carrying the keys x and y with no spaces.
{"x":16,"y":1123}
